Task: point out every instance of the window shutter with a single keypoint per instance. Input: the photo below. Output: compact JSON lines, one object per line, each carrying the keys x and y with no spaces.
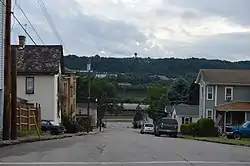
{"x":182,"y":120}
{"x":190,"y":119}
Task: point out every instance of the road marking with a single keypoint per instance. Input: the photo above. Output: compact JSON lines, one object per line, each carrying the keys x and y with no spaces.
{"x":126,"y":163}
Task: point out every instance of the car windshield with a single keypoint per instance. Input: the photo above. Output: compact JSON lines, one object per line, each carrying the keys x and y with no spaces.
{"x":44,"y":122}
{"x":169,"y":121}
{"x":149,"y":125}
{"x":54,"y":123}
{"x":245,"y":124}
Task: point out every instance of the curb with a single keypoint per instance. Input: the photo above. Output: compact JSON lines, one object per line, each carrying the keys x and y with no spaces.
{"x":219,"y":142}
{"x":43,"y":138}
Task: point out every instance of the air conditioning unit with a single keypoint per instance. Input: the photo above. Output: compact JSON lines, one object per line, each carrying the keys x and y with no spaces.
{"x":228,"y":98}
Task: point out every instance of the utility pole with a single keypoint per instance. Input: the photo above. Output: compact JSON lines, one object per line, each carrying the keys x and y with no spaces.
{"x":14,"y":52}
{"x":7,"y":81}
{"x":89,"y":70}
{"x":13,"y":94}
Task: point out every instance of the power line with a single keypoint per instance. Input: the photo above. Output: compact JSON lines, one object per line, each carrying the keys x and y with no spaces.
{"x":52,"y":25}
{"x":24,"y":29}
{"x":20,"y":24}
{"x":30,"y":23}
{"x":14,"y":7}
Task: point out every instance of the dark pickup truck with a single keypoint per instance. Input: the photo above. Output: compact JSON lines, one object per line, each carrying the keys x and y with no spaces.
{"x":166,"y":126}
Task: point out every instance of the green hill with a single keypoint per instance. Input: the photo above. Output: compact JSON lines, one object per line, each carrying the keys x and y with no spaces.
{"x":171,"y":67}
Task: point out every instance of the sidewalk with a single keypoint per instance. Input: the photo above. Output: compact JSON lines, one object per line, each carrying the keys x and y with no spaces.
{"x":42,"y":138}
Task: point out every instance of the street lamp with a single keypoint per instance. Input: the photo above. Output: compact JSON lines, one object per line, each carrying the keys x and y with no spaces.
{"x":89,"y":70}
{"x":99,"y":122}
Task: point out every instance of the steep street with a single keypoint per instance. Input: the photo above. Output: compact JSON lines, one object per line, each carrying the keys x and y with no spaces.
{"x":119,"y":145}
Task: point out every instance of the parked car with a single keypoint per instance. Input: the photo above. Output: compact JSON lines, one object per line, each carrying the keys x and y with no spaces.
{"x":239,"y":131}
{"x":51,"y":127}
{"x":167,"y":126}
{"x":147,"y":128}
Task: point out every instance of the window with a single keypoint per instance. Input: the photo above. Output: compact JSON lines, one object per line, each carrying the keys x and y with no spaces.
{"x":209,"y":113}
{"x":229,"y":93}
{"x":30,"y":85}
{"x":186,"y":120}
{"x":210,"y":91}
{"x":202,"y":92}
{"x":149,"y":125}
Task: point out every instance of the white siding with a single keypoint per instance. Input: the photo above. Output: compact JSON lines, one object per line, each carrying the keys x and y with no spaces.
{"x":2,"y":11}
{"x":179,"y":120}
{"x":45,"y":94}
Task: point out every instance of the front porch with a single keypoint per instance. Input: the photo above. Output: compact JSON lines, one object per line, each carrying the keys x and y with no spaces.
{"x":229,"y":114}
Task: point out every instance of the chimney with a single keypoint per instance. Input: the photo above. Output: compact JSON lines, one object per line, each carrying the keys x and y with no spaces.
{"x":21,"y":41}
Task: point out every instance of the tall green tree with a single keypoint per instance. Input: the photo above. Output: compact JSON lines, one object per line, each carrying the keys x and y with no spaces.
{"x":193,"y":92}
{"x":178,"y":91}
{"x":98,"y":87}
{"x":157,"y":100}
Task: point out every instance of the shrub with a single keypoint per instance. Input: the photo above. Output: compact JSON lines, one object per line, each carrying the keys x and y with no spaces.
{"x":84,"y":122}
{"x":134,"y":124}
{"x":187,"y":129}
{"x":71,"y":126}
{"x":206,"y":128}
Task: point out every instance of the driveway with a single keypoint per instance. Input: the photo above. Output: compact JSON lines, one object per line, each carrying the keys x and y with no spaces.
{"x":119,"y":145}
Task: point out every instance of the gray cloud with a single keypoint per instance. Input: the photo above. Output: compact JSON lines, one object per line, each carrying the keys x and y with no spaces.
{"x":85,"y":33}
{"x":237,"y":10}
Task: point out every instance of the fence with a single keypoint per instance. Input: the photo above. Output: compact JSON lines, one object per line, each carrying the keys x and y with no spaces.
{"x":28,"y":116}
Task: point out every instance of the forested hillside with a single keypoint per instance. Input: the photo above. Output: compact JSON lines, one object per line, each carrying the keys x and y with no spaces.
{"x":170,"y":67}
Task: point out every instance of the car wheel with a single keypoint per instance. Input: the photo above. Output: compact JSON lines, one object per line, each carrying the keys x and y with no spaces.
{"x":174,"y":135}
{"x":142,"y":132}
{"x":237,"y":135}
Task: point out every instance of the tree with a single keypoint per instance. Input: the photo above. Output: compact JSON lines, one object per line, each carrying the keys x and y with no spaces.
{"x":170,"y":67}
{"x":157,"y":100}
{"x":98,"y":87}
{"x":193,"y":92}
{"x":138,"y":114}
{"x":178,"y":91}
{"x":115,"y":108}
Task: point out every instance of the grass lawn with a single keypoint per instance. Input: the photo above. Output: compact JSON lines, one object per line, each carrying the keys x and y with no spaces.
{"x":26,"y":133}
{"x":245,"y":141}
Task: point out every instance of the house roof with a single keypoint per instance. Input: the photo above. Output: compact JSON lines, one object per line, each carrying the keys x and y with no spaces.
{"x":187,"y":110}
{"x":224,"y":76}
{"x":40,"y":59}
{"x":234,"y":106}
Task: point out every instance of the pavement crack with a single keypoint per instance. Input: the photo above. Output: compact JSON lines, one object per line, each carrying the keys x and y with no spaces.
{"x":190,"y":164}
{"x":101,"y":147}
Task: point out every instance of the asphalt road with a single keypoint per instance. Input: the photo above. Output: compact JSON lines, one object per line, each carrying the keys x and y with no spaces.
{"x":121,"y":146}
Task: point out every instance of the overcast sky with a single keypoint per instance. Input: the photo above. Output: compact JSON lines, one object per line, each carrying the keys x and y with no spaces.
{"x":214,"y":29}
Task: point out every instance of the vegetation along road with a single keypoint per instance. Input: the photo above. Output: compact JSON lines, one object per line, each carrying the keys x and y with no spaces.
{"x":119,"y":145}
